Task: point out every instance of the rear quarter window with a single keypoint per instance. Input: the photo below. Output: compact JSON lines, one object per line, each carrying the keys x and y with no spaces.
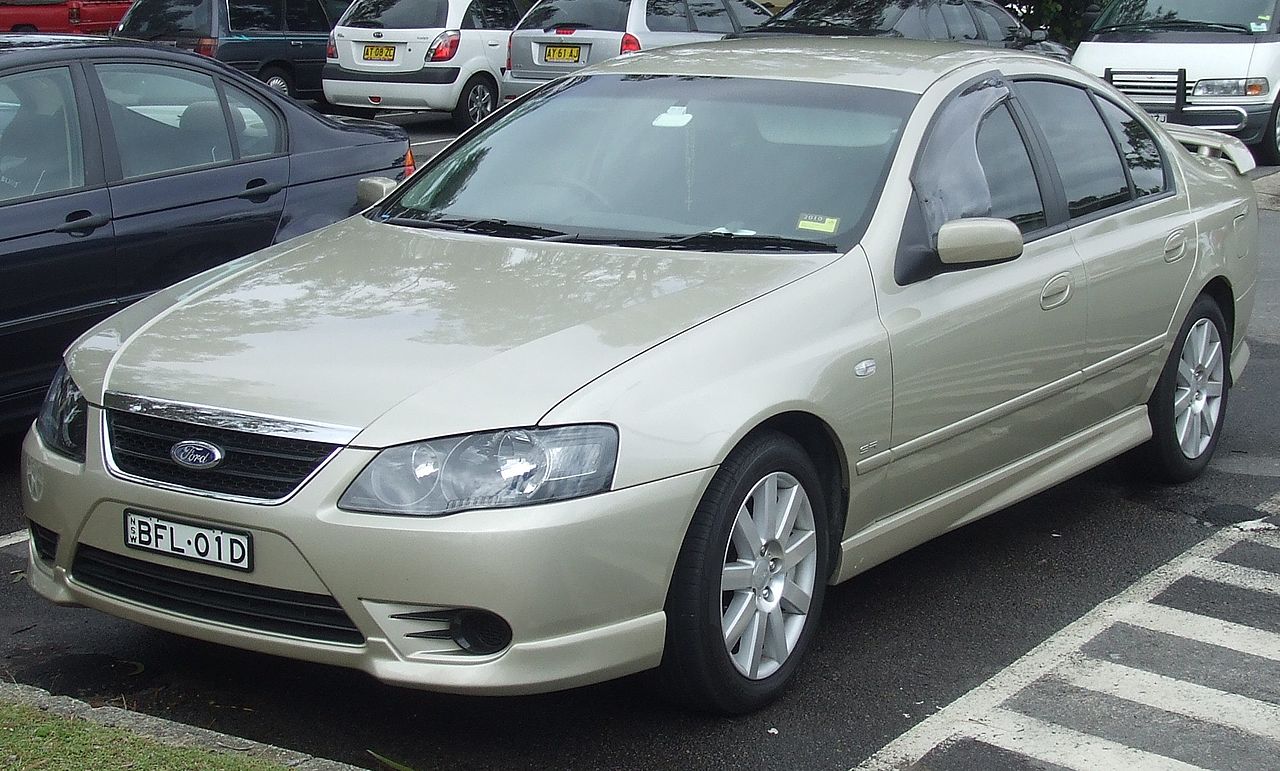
{"x":610,"y":15}
{"x":396,"y":14}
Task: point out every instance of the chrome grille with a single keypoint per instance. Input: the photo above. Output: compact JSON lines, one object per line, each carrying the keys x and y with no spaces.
{"x":255,"y":466}
{"x":1152,"y":87}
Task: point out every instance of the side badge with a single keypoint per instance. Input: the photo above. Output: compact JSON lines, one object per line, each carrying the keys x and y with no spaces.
{"x":865,"y":368}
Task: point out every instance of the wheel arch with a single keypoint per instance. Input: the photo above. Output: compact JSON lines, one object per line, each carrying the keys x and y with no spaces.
{"x":1220,"y":289}
{"x":276,"y":64}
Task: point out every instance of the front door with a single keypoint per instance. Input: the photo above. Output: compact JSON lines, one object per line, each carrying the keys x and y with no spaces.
{"x":56,"y":245}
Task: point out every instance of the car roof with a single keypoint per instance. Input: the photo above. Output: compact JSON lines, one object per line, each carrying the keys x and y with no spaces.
{"x":890,"y":63}
{"x":20,"y":48}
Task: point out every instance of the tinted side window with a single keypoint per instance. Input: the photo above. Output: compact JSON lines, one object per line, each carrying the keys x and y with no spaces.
{"x":1141,"y":153}
{"x":490,"y":14}
{"x":922,"y":23}
{"x":148,"y":19}
{"x":305,"y":16}
{"x":1010,"y":176}
{"x":749,"y":14}
{"x":710,"y":16}
{"x":959,"y":23}
{"x":666,"y":16}
{"x":258,"y":130}
{"x":39,"y":134}
{"x":996,"y":23}
{"x":256,"y":15}
{"x":165,"y":118}
{"x":1082,"y":148}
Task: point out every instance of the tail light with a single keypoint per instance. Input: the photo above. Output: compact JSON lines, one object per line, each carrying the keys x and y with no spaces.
{"x":331,"y":50}
{"x":73,"y":14}
{"x":509,"y":43}
{"x":206,"y":46}
{"x":629,"y":43}
{"x":410,"y":165}
{"x":444,"y":46}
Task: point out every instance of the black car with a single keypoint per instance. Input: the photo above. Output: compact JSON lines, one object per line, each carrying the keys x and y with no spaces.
{"x":125,"y":168}
{"x":280,"y":42}
{"x":980,"y":22}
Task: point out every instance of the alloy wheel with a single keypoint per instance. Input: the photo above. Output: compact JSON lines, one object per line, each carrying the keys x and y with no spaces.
{"x":767,"y":582}
{"x":1197,"y":393}
{"x":479,"y":102}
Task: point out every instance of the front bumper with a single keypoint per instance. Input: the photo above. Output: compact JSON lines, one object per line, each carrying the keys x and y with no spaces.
{"x":581,"y":583}
{"x":430,"y":88}
{"x":1248,"y":122}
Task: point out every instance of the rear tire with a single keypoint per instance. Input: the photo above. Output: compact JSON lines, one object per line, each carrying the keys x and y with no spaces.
{"x":1189,"y":404}
{"x":744,"y":605}
{"x":478,"y":99}
{"x":278,"y":80}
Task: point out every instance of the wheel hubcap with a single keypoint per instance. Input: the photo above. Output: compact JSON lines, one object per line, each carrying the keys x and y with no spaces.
{"x":1197,"y":394}
{"x":479,"y":103}
{"x":278,"y":83}
{"x":770,"y":568}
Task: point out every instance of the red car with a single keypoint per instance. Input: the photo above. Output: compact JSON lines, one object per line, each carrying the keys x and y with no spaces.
{"x":91,"y":16}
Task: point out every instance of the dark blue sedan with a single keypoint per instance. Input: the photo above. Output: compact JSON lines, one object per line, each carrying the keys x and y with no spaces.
{"x":125,"y":168}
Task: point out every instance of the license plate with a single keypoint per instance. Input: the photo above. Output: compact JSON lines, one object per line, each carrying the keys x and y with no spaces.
{"x":1162,"y":117}
{"x":200,"y":543}
{"x":379,"y":53}
{"x":570,"y":54}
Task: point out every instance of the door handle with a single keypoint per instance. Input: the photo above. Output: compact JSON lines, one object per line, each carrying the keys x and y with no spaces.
{"x":296,"y":43}
{"x":1056,"y":292}
{"x":82,"y":223}
{"x":260,"y":188}
{"x":1175,"y":246}
{"x":1240,"y":218}
{"x":493,"y":44}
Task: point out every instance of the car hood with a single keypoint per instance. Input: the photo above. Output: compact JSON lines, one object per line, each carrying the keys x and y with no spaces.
{"x":401,"y":334}
{"x":1201,"y":60}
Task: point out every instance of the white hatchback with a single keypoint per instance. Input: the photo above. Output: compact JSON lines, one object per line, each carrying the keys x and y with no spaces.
{"x":445,"y":55}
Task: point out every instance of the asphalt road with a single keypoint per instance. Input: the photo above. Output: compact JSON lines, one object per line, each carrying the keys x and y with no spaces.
{"x":897,"y":643}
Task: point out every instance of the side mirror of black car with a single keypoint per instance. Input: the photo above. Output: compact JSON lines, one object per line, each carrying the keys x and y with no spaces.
{"x":1039,"y":35}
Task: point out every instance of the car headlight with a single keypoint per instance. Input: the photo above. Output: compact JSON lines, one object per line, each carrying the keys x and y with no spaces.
{"x":498,"y":469}
{"x":1237,"y":87}
{"x":63,"y":424}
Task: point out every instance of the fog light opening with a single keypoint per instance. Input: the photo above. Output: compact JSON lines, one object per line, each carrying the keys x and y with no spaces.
{"x":479,"y":632}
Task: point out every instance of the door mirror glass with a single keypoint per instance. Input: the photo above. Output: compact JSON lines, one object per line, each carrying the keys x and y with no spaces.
{"x":1039,"y":35}
{"x":979,"y":240}
{"x":370,"y":190}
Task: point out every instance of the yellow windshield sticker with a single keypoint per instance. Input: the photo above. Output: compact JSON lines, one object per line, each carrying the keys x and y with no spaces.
{"x":818,"y":222}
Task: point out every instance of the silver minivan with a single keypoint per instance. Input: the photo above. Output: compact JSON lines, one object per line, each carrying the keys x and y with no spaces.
{"x":559,"y":36}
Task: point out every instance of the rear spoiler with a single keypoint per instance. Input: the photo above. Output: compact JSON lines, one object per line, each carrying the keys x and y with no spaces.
{"x":1213,"y":144}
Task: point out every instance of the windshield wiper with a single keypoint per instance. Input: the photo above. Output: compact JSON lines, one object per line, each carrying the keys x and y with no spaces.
{"x":719,"y":241}
{"x":813,"y":28}
{"x":487,"y":227}
{"x":1173,"y":24}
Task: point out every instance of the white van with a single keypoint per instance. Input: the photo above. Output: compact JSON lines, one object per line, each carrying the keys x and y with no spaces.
{"x":1208,"y":63}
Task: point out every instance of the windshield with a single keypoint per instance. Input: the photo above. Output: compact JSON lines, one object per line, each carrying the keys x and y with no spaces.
{"x":151,"y":19}
{"x":1246,"y":16}
{"x":608,"y":15}
{"x":864,"y":16}
{"x":396,"y":14}
{"x":653,"y":160}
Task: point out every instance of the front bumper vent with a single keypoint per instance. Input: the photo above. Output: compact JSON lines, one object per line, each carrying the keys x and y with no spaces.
{"x":254,"y":466}
{"x":45,"y":541}
{"x":251,"y":606}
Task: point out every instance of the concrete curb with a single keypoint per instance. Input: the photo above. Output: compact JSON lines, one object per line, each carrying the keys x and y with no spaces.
{"x":164,"y":731}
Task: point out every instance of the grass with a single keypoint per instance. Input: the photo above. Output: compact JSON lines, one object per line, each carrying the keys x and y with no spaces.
{"x":34,"y":740}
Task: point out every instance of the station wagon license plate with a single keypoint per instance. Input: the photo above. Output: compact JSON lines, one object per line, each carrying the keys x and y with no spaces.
{"x":200,"y":543}
{"x":570,"y":54}
{"x":379,"y":53}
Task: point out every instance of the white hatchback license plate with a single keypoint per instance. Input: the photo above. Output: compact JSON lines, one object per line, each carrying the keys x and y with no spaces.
{"x":213,"y":545}
{"x":1161,"y":117}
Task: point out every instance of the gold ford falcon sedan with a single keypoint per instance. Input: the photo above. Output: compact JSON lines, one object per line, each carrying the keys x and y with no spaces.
{"x":632,"y":371}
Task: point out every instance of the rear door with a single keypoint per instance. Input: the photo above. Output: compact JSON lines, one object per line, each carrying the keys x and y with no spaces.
{"x":197,"y":170}
{"x":491,"y":21}
{"x":307,"y":31}
{"x":56,"y":246}
{"x":560,"y":36}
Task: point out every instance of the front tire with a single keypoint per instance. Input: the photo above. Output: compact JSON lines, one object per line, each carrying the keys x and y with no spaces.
{"x":1189,"y":403}
{"x":1269,"y":148}
{"x":750,"y":580}
{"x":478,"y":99}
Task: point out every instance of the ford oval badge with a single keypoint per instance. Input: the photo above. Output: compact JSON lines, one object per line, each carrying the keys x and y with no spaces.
{"x":196,"y":454}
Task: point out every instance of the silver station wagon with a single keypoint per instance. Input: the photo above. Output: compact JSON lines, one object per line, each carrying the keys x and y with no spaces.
{"x":630,"y":373}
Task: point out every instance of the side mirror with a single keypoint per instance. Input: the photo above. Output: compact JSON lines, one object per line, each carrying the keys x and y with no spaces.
{"x":979,"y":240}
{"x":1039,"y":35}
{"x":370,"y":190}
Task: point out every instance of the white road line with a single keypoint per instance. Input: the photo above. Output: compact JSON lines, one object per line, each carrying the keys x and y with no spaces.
{"x":1065,"y":747}
{"x":1237,"y":575}
{"x":1165,"y":693}
{"x":933,"y":730}
{"x":1193,"y":626}
{"x":14,"y":538}
{"x":430,"y":142}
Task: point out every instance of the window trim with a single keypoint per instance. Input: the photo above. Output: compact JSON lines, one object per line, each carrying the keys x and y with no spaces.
{"x":113,"y":168}
{"x":91,"y":147}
